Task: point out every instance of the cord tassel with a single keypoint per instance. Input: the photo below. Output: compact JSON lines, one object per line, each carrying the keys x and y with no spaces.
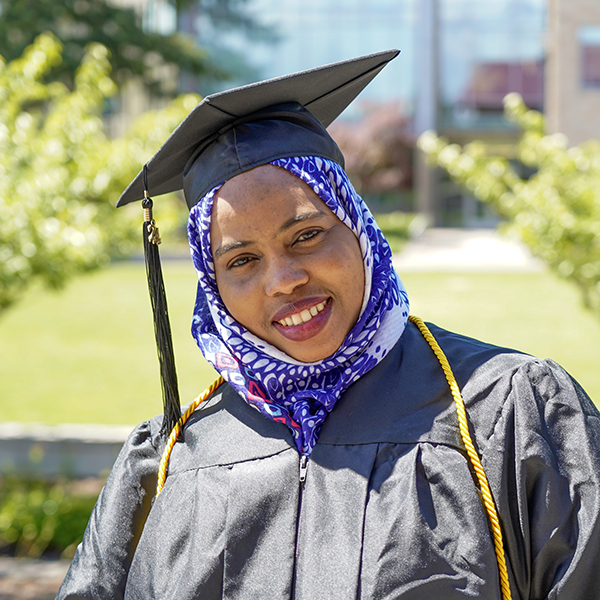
{"x":162,"y":327}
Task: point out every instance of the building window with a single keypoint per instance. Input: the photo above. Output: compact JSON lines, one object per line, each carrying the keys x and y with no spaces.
{"x":589,"y":43}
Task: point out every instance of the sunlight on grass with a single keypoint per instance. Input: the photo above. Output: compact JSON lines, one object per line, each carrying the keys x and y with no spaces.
{"x":87,"y":354}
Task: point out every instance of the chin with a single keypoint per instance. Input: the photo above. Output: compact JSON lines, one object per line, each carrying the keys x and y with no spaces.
{"x":313,"y":353}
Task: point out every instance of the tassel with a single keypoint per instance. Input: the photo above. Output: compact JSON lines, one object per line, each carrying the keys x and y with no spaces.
{"x":162,"y":327}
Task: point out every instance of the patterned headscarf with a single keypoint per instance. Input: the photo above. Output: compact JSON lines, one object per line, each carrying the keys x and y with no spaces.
{"x":301,"y":395}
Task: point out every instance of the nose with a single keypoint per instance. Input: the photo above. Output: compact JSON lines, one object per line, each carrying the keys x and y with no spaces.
{"x":284,"y":275}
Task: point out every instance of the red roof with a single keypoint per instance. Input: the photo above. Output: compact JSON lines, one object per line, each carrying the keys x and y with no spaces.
{"x":590,"y":66}
{"x":490,"y":82}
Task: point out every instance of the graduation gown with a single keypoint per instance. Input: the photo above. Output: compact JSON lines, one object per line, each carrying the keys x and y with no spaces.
{"x":389,"y":507}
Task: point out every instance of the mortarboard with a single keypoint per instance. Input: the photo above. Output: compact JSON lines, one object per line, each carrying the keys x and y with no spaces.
{"x":323,"y":92}
{"x":231,"y":132}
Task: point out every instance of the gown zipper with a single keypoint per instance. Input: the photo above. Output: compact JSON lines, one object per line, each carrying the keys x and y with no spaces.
{"x":302,"y":480}
{"x":303,"y":468}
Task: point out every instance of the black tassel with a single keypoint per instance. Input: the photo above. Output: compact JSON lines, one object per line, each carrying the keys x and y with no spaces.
{"x":162,"y":327}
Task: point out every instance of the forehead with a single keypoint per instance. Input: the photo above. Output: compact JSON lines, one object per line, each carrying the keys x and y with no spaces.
{"x":262,"y":195}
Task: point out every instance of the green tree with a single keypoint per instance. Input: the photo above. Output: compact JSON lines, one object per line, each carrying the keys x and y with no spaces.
{"x":60,"y":174}
{"x":134,"y":50}
{"x":555,"y":211}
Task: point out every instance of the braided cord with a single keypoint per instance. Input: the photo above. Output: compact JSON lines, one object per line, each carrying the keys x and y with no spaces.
{"x":164,"y":461}
{"x":486,"y":493}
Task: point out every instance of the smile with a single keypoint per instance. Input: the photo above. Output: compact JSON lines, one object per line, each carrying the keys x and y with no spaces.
{"x":303,"y":316}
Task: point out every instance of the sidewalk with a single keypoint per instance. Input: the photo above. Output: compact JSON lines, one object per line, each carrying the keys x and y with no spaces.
{"x":465,"y":250}
{"x":77,"y":450}
{"x":26,"y":579}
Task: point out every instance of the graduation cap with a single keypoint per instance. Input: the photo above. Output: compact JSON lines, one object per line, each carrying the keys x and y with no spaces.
{"x":231,"y":132}
{"x":316,"y":96}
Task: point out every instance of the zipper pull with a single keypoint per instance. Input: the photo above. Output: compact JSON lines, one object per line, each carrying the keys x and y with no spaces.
{"x":303,"y":468}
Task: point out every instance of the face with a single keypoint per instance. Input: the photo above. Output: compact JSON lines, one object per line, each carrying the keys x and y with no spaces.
{"x":287,"y":269}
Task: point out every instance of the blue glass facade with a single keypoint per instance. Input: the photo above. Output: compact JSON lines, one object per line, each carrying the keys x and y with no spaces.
{"x":507,"y":35}
{"x":488,"y":49}
{"x":316,"y":32}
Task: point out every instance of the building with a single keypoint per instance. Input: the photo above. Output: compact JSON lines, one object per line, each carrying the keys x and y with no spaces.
{"x":316,"y":32}
{"x":573,"y":69}
{"x":470,"y":55}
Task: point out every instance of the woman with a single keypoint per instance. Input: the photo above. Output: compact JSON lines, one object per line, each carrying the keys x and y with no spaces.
{"x":333,"y":463}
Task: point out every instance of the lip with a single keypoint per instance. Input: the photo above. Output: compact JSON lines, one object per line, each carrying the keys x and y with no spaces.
{"x":303,"y":331}
{"x":297,"y":306}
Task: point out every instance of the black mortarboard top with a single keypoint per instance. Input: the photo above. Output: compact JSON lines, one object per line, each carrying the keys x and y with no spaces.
{"x":290,"y":112}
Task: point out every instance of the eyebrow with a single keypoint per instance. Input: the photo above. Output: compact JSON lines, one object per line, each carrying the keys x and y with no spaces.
{"x":289,"y":223}
{"x":224,"y":249}
{"x":315,"y":214}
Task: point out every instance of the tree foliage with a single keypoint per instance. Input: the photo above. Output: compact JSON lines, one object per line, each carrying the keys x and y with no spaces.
{"x":134,"y":51}
{"x":555,"y":211}
{"x":377,"y":149}
{"x":60,"y":174}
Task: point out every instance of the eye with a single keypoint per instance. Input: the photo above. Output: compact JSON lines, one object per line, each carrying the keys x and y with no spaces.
{"x":305,"y":236}
{"x":239,"y":262}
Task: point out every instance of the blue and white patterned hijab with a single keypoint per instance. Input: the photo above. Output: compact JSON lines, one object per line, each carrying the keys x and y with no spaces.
{"x":301,"y":395}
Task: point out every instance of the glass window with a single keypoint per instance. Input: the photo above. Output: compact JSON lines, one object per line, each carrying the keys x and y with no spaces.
{"x":488,"y":49}
{"x":589,"y":43}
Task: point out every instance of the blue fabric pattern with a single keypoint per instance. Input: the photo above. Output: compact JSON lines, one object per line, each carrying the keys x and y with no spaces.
{"x":301,"y":395}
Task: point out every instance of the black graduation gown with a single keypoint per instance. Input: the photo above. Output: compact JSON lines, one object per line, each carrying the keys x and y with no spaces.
{"x":389,"y":508}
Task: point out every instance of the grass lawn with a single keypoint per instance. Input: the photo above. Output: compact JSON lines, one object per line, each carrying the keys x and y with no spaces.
{"x":87,"y":354}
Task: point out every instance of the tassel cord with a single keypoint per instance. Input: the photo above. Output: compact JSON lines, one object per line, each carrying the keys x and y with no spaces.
{"x":162,"y":327}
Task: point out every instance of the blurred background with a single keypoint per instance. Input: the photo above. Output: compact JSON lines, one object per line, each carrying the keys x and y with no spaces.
{"x":476,"y":149}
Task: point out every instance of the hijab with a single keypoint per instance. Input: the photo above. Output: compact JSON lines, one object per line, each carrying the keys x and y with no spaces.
{"x":299,"y":394}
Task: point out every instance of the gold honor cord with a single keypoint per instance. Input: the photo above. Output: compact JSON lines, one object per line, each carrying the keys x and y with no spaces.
{"x":164,"y":461}
{"x":484,"y":486}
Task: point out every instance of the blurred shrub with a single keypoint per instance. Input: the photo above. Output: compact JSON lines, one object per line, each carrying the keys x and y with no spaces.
{"x":60,"y":174}
{"x":377,"y":149}
{"x":38,"y":516}
{"x":398,"y":227}
{"x":555,"y":211}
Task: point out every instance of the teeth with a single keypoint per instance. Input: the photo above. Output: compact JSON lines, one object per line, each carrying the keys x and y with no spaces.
{"x":304,"y":316}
